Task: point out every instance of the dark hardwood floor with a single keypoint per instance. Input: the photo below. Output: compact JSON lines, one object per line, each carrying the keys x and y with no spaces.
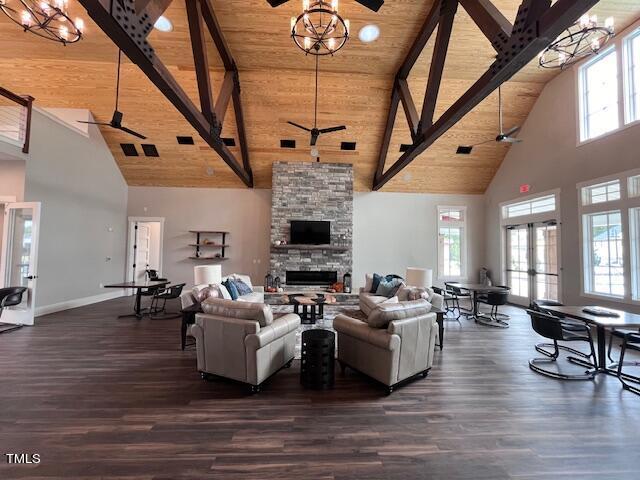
{"x":105,"y":398}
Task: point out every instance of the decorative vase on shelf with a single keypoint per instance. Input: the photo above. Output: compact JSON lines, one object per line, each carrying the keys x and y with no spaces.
{"x":268,"y":283}
{"x":346,"y":282}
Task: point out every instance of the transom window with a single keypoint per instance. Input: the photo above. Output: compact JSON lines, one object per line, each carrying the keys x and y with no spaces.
{"x":543,"y":204}
{"x":451,"y":242}
{"x":599,"y":95}
{"x":601,"y":192}
{"x":634,"y":186}
{"x":632,"y":58}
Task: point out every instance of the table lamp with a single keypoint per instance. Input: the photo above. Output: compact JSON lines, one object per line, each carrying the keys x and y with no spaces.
{"x":207,"y":274}
{"x":419,"y":277}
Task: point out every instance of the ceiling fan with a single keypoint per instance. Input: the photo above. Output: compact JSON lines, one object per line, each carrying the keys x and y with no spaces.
{"x":116,"y":120}
{"x":371,"y":4}
{"x":315,"y":131}
{"x":503,"y":137}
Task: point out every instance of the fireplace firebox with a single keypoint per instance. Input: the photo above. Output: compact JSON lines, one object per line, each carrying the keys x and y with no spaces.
{"x":316,"y":278}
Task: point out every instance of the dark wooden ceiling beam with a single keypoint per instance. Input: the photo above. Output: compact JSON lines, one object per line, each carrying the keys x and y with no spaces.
{"x":489,"y":20}
{"x":440,"y":49}
{"x":388,"y":129}
{"x":200,"y":60}
{"x":216,"y":34}
{"x":153,"y":8}
{"x":529,"y":37}
{"x":242,"y":135}
{"x":112,"y":19}
{"x":226,"y":91}
{"x":428,"y":27}
{"x":408,"y":106}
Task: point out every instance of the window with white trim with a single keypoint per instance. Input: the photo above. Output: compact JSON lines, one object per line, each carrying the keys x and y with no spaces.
{"x":632,"y":79}
{"x":610,"y":212}
{"x":452,"y":242}
{"x":598,"y":89}
{"x":604,"y":263}
{"x":542,"y":204}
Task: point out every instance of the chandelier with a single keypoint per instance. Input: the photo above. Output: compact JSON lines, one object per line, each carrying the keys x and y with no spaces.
{"x":48,"y":19}
{"x":583,"y":38}
{"x":319,"y":29}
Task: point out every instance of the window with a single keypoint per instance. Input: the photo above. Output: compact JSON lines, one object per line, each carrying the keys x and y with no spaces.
{"x":599,"y":110}
{"x":601,"y":192}
{"x":632,"y":84}
{"x":634,"y":228}
{"x":451,"y":242}
{"x":634,"y":186}
{"x":530,"y":207}
{"x":604,"y":263}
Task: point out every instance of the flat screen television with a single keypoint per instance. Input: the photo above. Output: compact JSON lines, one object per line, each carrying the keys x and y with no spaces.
{"x":307,"y":232}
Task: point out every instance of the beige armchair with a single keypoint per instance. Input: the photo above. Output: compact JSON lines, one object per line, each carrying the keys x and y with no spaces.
{"x":396,"y":343}
{"x":242,"y":341}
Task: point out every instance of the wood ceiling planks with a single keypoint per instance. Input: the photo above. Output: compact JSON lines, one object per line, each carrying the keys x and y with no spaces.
{"x":277,"y":85}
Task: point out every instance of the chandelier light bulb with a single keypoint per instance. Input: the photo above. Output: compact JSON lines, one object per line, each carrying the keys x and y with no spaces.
{"x":305,"y":5}
{"x":595,"y":44}
{"x":80,"y":25}
{"x":294,"y":20}
{"x":25,"y":18}
{"x":44,"y":6}
{"x":307,"y":43}
{"x":594,"y":20}
{"x":609,"y":23}
{"x":61,"y":5}
{"x":347,"y":26}
{"x":584,"y":20}
{"x":334,"y":5}
{"x":331,"y":44}
{"x":64,"y":33}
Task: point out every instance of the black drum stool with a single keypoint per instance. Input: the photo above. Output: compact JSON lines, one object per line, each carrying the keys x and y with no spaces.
{"x":317,"y":363}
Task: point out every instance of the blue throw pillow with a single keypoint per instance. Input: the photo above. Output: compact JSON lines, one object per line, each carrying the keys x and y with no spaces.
{"x":391,"y":276}
{"x":242,"y":287}
{"x":231,"y":287}
{"x":389,"y":288}
{"x":375,"y":283}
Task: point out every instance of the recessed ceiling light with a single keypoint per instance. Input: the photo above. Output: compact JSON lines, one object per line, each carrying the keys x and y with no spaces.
{"x":407,"y":177}
{"x":369,"y":33}
{"x":210,"y":171}
{"x":163,"y":24}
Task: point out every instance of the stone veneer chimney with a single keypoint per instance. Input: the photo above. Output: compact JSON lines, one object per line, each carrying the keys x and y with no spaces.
{"x":312,"y":191}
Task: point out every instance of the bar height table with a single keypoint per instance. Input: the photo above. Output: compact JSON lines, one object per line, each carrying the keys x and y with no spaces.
{"x":139,"y":287}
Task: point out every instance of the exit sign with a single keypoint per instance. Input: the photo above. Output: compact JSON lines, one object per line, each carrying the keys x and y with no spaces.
{"x":524,"y":188}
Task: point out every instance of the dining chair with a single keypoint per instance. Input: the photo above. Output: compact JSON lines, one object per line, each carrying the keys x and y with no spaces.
{"x":457,"y":293}
{"x":630,"y":341}
{"x":560,"y":330}
{"x":10,"y":297}
{"x":161,"y":295}
{"x":495,"y":300}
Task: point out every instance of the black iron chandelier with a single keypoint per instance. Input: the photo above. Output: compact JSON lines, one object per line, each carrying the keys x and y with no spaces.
{"x":583,"y":38}
{"x":45,"y":18}
{"x":319,"y":29}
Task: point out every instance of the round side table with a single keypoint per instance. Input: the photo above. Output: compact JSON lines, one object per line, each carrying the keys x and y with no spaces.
{"x":317,"y":363}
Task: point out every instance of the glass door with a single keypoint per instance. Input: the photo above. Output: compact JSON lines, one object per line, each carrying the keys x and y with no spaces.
{"x":20,"y":258}
{"x":532,"y":270}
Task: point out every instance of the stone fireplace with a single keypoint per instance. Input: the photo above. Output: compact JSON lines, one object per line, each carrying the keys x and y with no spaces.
{"x":312,"y":191}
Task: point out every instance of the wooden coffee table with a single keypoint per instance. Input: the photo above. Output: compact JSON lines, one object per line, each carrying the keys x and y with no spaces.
{"x":312,"y":307}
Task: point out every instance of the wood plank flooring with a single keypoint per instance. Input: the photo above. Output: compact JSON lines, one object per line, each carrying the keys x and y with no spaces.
{"x":105,"y":398}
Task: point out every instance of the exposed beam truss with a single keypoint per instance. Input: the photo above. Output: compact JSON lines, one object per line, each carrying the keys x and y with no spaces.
{"x":537,"y":24}
{"x":128,"y":22}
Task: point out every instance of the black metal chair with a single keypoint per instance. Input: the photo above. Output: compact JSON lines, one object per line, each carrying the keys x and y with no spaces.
{"x":449,"y":304}
{"x":152,"y":275}
{"x":458,"y":293}
{"x":630,"y":341}
{"x":162,"y":295}
{"x":559,"y":330}
{"x":495,"y":300}
{"x":10,"y":297}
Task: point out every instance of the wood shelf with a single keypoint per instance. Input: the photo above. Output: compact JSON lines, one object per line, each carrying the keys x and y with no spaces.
{"x":210,"y":258}
{"x":207,"y":231}
{"x":209,"y":245}
{"x":330,"y":248}
{"x":220,"y":243}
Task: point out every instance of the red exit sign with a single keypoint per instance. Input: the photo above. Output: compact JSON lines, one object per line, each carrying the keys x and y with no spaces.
{"x":524,"y":188}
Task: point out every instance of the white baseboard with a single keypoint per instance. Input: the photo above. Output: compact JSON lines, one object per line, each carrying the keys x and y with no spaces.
{"x":78,"y":302}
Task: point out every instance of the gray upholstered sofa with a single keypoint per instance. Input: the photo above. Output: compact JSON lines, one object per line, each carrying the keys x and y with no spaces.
{"x":395,"y":343}
{"x":243,"y":341}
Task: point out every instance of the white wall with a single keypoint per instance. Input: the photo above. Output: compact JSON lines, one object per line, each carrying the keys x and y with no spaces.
{"x":245,"y":213}
{"x":12,"y":178}
{"x":549,"y":158}
{"x":83,"y":218}
{"x":393,"y":231}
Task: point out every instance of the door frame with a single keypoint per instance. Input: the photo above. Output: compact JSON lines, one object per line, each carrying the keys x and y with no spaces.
{"x":131,"y":221}
{"x":525,"y":219}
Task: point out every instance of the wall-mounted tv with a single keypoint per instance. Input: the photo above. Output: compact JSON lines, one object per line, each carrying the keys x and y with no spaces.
{"x":307,"y":232}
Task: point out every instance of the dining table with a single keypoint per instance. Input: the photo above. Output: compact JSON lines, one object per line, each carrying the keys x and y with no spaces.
{"x":476,"y":289}
{"x":139,"y":287}
{"x":621,"y":319}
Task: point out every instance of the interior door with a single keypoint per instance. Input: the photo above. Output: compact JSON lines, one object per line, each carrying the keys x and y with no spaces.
{"x":21,"y":228}
{"x":518,"y":258}
{"x":142,"y":247}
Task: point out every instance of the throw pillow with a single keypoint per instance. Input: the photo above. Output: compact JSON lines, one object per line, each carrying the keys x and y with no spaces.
{"x":391,"y":276}
{"x":242,"y":287}
{"x":207,"y":292}
{"x":389,"y":288}
{"x":368,"y":282}
{"x":375,"y":282}
{"x":246,"y":279}
{"x":224,"y":293}
{"x":230,"y":286}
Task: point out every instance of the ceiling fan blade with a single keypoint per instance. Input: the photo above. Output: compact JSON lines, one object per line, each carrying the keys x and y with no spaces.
{"x":513,"y":131}
{"x":511,"y":140}
{"x":371,"y":4}
{"x":314,"y":138}
{"x":299,"y":126}
{"x":94,"y":123}
{"x":276,"y":3}
{"x":128,"y":130}
{"x":332,"y":129}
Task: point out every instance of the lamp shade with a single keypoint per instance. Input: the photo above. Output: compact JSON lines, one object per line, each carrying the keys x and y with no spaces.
{"x":419,"y":277}
{"x":207,"y":274}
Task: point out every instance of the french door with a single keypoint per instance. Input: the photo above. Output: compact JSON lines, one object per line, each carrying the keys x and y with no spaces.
{"x":18,"y":267}
{"x":532,"y":270}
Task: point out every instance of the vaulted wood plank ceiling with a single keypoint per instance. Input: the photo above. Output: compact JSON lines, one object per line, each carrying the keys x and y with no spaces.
{"x":277,"y":85}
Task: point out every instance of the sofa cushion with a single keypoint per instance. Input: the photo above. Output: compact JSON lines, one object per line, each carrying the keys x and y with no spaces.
{"x":385,"y":313}
{"x":414,"y":293}
{"x":388,"y":288}
{"x":369,"y":301}
{"x":252,"y":297}
{"x":257,"y":312}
